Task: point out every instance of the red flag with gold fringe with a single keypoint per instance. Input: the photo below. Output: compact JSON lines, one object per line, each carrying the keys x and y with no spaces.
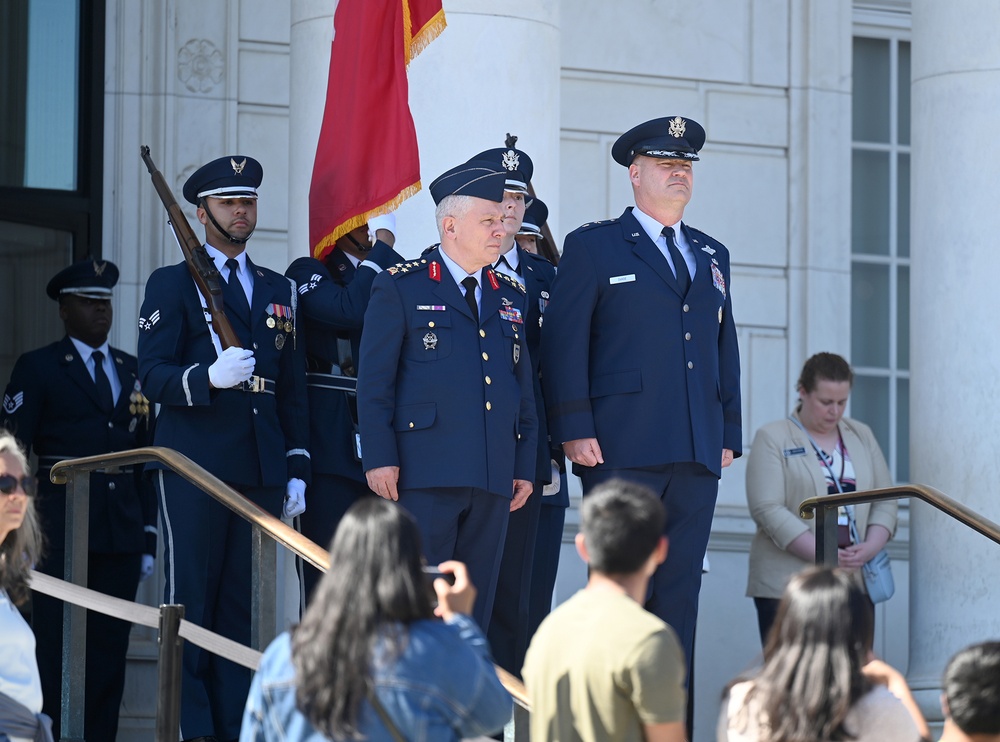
{"x":366,"y":159}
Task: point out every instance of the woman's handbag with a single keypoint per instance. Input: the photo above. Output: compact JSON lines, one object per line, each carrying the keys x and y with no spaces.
{"x":877,"y":572}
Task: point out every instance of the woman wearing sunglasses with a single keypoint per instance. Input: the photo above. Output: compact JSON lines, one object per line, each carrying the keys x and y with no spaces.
{"x":20,"y":547}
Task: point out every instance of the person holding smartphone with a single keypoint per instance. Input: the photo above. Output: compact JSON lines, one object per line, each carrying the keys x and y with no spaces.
{"x":369,"y":657}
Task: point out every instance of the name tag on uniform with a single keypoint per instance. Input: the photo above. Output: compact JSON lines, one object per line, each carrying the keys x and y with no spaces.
{"x":622,"y":279}
{"x":790,"y":452}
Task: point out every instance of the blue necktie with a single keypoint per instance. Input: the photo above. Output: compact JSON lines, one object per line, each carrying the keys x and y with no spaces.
{"x":236,"y":297}
{"x":680,"y":267}
{"x":470,"y":284}
{"x":103,"y":383}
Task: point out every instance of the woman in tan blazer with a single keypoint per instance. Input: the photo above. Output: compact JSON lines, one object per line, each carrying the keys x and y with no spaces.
{"x":783,"y":470}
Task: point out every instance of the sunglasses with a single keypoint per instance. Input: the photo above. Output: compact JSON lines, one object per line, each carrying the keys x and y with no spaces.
{"x":9,"y":483}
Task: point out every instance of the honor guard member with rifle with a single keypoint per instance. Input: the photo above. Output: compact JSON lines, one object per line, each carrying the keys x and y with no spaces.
{"x":240,"y":412}
{"x":445,"y":397}
{"x":81,"y":397}
{"x":640,"y":356}
{"x":508,"y":632}
{"x":333,"y":297}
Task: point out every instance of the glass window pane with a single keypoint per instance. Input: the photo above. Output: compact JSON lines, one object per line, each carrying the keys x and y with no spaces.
{"x":903,"y":430}
{"x":870,"y":101}
{"x":29,"y":257}
{"x":870,"y":315}
{"x":903,"y":318}
{"x":903,"y":207}
{"x":903,"y":110}
{"x":51,"y":126}
{"x":39,"y":82}
{"x":870,"y":405}
{"x":870,"y":203}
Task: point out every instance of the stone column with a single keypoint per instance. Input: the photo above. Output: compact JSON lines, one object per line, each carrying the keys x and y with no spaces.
{"x":954,"y":437}
{"x":490,"y":72}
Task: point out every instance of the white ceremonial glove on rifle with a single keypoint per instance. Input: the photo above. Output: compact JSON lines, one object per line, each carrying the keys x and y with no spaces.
{"x":383,"y":221}
{"x":234,"y":365}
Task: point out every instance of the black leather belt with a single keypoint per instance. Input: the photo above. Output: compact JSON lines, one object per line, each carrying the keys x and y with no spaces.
{"x":332,"y":381}
{"x":256,"y":384}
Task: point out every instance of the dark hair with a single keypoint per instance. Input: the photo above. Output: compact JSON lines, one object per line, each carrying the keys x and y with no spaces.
{"x":813,"y":657}
{"x":547,"y":250}
{"x":22,"y":547}
{"x":375,"y":587}
{"x":972,"y":689}
{"x":828,"y":366}
{"x":622,"y":523}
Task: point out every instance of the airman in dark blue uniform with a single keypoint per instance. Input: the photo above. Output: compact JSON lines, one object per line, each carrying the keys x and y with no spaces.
{"x":241,"y":413}
{"x":555,"y":495}
{"x":640,"y":356}
{"x":333,"y":297}
{"x":508,"y":632}
{"x":81,"y":397}
{"x":445,"y":399}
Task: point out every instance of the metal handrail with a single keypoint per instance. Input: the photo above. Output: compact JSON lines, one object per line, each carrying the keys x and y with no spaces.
{"x":205,"y":480}
{"x":826,"y":527}
{"x":258,"y":517}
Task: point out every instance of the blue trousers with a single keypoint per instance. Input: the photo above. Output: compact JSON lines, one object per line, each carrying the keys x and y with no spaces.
{"x":467,"y":524}
{"x":327,"y":499}
{"x":688,"y":491}
{"x":207,"y":570}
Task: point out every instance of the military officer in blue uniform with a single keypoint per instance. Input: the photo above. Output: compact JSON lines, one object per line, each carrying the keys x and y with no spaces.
{"x":640,"y":357}
{"x":241,"y":413}
{"x":555,"y":494}
{"x":508,"y":632}
{"x":333,"y":297}
{"x":81,"y":397}
{"x":445,"y":398}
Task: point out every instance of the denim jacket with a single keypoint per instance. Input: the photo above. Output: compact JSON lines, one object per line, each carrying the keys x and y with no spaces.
{"x":443,"y":687}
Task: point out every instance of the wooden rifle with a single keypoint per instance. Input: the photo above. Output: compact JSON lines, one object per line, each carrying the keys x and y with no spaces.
{"x":202,"y":267}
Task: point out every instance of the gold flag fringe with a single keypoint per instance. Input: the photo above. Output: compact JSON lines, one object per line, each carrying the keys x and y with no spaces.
{"x":325,"y":246}
{"x":413,"y":44}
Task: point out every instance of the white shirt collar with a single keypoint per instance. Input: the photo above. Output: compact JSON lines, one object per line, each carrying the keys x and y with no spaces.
{"x":653,"y":228}
{"x":220,"y":258}
{"x":86,"y":351}
{"x":457,"y":271}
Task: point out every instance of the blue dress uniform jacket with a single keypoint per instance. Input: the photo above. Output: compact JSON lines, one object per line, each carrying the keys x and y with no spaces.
{"x":244,"y":438}
{"x":538,"y":275}
{"x":51,"y":405}
{"x":447,"y":400}
{"x":332,"y":307}
{"x":654,"y":376}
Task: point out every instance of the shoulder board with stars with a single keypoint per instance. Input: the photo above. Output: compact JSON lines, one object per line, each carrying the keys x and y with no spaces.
{"x":601,"y":223}
{"x":508,"y":280}
{"x":408,"y":267}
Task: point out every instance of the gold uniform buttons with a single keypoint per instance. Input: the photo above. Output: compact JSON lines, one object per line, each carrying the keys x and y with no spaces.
{"x":486,"y":356}
{"x":411,"y":425}
{"x":482,"y":333}
{"x":430,"y":324}
{"x":489,"y":380}
{"x":489,"y":406}
{"x":687,"y":335}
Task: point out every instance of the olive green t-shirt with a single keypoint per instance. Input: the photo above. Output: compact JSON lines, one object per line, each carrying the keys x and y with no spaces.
{"x":600,"y":667}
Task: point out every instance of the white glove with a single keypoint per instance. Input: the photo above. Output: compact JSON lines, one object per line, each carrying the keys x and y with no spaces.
{"x":147,"y":567}
{"x":384,"y":221}
{"x":295,"y":498}
{"x":233,"y":366}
